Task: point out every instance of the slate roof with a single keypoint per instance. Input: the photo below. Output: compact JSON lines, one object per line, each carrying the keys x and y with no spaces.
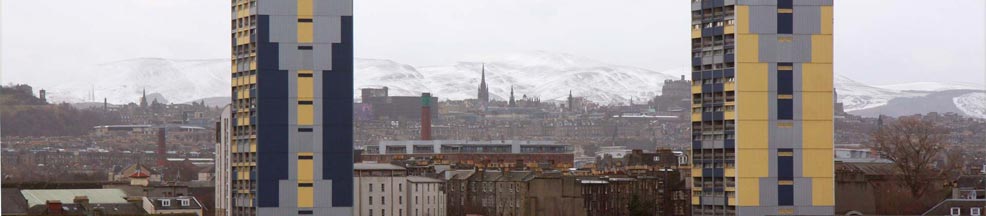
{"x":96,"y":196}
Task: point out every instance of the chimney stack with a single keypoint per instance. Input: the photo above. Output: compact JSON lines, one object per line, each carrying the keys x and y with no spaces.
{"x":425,"y":116}
{"x":162,"y":154}
{"x":81,"y":200}
{"x":54,"y":207}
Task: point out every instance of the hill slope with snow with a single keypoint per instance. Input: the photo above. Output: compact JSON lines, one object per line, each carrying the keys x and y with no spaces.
{"x":123,"y":81}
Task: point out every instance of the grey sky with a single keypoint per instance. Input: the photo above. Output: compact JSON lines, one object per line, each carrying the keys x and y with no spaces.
{"x":877,"y":41}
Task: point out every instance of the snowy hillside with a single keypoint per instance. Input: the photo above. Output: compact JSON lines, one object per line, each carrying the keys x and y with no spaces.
{"x":857,"y":96}
{"x":973,"y":104}
{"x":121,"y":82}
{"x":932,"y":86}
{"x":535,"y":74}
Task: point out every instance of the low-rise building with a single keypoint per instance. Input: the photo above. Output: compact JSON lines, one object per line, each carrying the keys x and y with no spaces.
{"x":173,"y":205}
{"x":386,"y":189}
{"x":483,"y":154}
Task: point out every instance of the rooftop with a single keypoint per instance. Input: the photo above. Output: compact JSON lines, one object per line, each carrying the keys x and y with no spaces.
{"x":96,"y":196}
{"x":376,"y":166}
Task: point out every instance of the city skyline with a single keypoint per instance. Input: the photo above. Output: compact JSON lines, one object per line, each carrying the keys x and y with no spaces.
{"x":647,"y":44}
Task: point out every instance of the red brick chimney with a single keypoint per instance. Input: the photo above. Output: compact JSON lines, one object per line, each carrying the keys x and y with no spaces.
{"x":425,"y":116}
{"x":54,"y":207}
{"x":162,"y":150}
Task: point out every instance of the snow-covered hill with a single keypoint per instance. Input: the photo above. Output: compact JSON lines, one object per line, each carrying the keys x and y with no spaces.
{"x":973,"y":104}
{"x":932,"y":86}
{"x":857,"y":96}
{"x":123,"y":81}
{"x":536,"y":74}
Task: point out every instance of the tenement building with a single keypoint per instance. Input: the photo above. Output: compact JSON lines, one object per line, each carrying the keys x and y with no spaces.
{"x":762,"y":107}
{"x":387,"y":189}
{"x":292,"y":72}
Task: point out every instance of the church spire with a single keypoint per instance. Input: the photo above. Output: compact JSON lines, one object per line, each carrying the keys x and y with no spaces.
{"x":484,"y":91}
{"x":512,"y":101}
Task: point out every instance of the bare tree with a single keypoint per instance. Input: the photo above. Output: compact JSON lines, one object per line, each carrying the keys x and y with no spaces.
{"x":914,"y":146}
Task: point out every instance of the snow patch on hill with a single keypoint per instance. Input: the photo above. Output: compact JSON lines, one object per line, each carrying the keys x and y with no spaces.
{"x":972,"y":104}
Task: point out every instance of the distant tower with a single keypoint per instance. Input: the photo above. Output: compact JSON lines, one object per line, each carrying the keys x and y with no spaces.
{"x":162,"y":149}
{"x":571,"y":102}
{"x":512,"y":102}
{"x":105,"y":104}
{"x":484,"y":92}
{"x":143,"y":99}
{"x":42,"y":96}
{"x":425,"y":116}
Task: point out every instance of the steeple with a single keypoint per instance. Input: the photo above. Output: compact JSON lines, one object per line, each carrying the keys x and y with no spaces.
{"x":484,"y":92}
{"x":571,"y":102}
{"x":143,"y":99}
{"x":512,"y":101}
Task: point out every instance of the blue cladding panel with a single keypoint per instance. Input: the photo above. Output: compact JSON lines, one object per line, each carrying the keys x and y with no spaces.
{"x":696,"y":76}
{"x":337,"y":139}
{"x":730,"y":144}
{"x":272,"y":108}
{"x":785,"y":195}
{"x":785,"y":109}
{"x":696,"y":61}
{"x":785,"y":168}
{"x":785,"y":82}
{"x":785,"y":23}
{"x":785,"y":4}
{"x":696,"y":144}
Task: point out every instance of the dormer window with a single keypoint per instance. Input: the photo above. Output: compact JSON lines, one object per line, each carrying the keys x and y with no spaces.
{"x":185,"y":202}
{"x":976,"y":211}
{"x":165,"y":202}
{"x":955,"y":211}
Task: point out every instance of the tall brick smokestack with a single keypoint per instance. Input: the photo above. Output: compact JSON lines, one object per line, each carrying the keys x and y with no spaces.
{"x":425,"y":116}
{"x":162,"y":150}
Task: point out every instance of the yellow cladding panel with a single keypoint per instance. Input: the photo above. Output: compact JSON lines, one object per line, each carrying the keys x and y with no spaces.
{"x":816,"y":106}
{"x":253,"y":147}
{"x":729,"y":86}
{"x":696,"y":88}
{"x":696,"y":116}
{"x":696,"y":172}
{"x":305,"y":9}
{"x":729,"y":115}
{"x":695,"y":200}
{"x":305,"y":114}
{"x":827,"y":20}
{"x":305,"y":170}
{"x":752,"y":77}
{"x":305,"y":32}
{"x":816,"y":77}
{"x":818,"y":163}
{"x":751,"y":106}
{"x":306,"y":88}
{"x":822,"y":191}
{"x":729,"y":29}
{"x":696,"y":33}
{"x":817,"y":134}
{"x":752,"y":134}
{"x":730,"y":172}
{"x":748,"y":48}
{"x":821,"y":48}
{"x":742,"y":19}
{"x":748,"y":191}
{"x":753,"y":163}
{"x":305,"y":197}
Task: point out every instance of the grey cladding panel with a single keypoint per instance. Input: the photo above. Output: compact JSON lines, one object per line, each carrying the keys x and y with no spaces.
{"x":756,"y":2}
{"x":323,"y":193}
{"x":807,"y":19}
{"x":289,"y":57}
{"x":327,"y":29}
{"x":768,"y":191}
{"x":288,"y":193}
{"x":277,"y":7}
{"x":768,"y":50}
{"x":763,"y":19}
{"x":812,"y":2}
{"x":333,"y":7}
{"x":284,"y":29}
{"x":323,"y":60}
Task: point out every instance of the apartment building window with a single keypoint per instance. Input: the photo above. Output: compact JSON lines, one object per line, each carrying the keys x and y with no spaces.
{"x":383,"y":201}
{"x":785,"y":177}
{"x":383,"y":212}
{"x":371,"y":212}
{"x":371,"y":187}
{"x":371,"y":200}
{"x":382,"y":189}
{"x":400,"y":187}
{"x":955,"y":211}
{"x":785,"y":17}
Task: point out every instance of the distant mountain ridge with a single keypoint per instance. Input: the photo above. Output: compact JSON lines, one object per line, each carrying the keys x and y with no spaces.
{"x":549,"y":76}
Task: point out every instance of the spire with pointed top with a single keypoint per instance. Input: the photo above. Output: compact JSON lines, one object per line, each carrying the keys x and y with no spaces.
{"x":143,"y":98}
{"x":512,"y":102}
{"x":484,"y":91}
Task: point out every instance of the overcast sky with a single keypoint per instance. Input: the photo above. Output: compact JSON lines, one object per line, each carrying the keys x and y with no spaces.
{"x":877,"y":41}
